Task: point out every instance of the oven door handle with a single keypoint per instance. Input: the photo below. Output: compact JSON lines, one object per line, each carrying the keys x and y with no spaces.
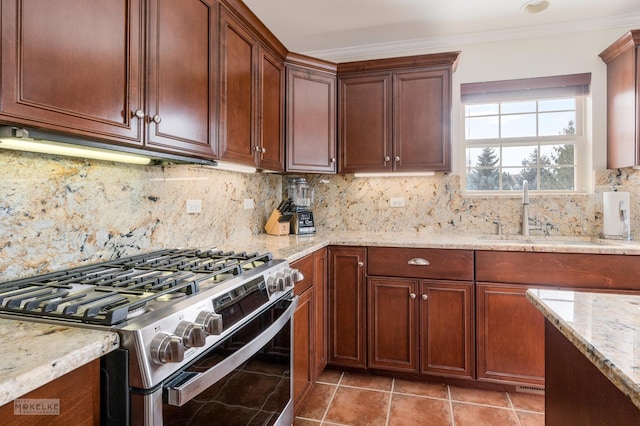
{"x":183,"y":393}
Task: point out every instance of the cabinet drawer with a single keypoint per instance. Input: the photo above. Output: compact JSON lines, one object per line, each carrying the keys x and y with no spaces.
{"x":305,"y":266}
{"x":560,"y":269}
{"x":420,"y":263}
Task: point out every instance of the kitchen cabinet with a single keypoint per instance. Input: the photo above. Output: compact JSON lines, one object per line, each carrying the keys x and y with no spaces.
{"x":623,"y":97}
{"x":419,"y":325}
{"x":395,"y":114}
{"x":79,"y":68}
{"x":311,"y":115}
{"x":251,"y":97}
{"x":76,"y":396}
{"x":309,"y":324}
{"x":320,"y":309}
{"x":347,"y":307}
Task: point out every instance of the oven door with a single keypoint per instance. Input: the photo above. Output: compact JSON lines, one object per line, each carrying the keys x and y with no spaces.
{"x":244,"y":380}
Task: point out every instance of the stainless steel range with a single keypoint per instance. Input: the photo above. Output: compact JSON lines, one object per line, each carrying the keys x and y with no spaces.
{"x":205,"y":334}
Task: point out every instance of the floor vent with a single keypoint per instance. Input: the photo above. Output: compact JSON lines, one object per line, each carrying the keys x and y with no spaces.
{"x":530,"y":389}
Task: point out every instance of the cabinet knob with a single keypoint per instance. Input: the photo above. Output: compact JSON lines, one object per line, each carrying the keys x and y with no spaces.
{"x":263,"y":150}
{"x":418,"y":261}
{"x":156,"y":119}
{"x":139,"y":113}
{"x":397,"y":158}
{"x":412,"y":295}
{"x":425,"y":297}
{"x":361,"y":264}
{"x":387,"y":158}
{"x":333,"y":160}
{"x":256,"y":148}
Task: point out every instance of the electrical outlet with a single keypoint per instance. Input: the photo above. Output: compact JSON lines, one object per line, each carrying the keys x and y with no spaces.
{"x":194,"y":206}
{"x":396,"y":202}
{"x":248,"y":204}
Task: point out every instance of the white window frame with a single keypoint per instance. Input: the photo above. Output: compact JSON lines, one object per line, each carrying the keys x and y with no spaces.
{"x":579,"y":139}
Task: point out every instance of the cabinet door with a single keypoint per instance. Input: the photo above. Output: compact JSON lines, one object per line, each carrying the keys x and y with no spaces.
{"x":393,"y":324}
{"x":320,"y":311}
{"x":510,"y":336}
{"x":347,"y":307}
{"x":311,"y":121}
{"x":422,"y":120}
{"x":364,"y":121}
{"x":181,"y":89}
{"x":238,"y":59}
{"x":303,"y":368}
{"x":270,"y":146}
{"x":73,"y":66}
{"x":446,"y":328}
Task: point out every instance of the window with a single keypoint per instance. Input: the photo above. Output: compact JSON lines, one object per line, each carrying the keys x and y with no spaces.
{"x":519,"y":130}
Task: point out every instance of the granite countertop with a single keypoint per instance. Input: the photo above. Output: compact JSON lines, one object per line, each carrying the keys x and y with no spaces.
{"x":604,"y":327}
{"x":33,"y":354}
{"x":293,"y":247}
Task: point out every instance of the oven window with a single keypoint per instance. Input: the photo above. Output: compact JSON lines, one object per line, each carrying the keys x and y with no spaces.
{"x":256,"y":393}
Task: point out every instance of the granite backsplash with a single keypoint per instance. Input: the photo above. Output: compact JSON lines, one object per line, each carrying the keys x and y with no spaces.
{"x":58,"y":212}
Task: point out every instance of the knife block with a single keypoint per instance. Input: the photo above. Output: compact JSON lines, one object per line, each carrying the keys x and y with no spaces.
{"x":278,"y":224}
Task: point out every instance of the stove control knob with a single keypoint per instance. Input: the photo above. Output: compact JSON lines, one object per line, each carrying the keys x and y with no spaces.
{"x":166,"y":348}
{"x":294,"y":275}
{"x":280,"y":281}
{"x":211,"y":322}
{"x":272,"y":284}
{"x":193,"y":335}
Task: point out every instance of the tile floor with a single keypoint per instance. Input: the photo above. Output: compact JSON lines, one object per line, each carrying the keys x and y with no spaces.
{"x":358,"y":399}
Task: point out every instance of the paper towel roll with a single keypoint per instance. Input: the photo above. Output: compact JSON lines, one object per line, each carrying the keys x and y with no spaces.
{"x":613,"y":225}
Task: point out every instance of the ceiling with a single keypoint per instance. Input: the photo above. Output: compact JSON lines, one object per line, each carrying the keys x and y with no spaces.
{"x":325,"y":27}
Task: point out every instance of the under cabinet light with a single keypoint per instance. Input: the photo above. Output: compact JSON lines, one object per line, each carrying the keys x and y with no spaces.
{"x":392,"y":174}
{"x":18,"y":139}
{"x":231,"y":167}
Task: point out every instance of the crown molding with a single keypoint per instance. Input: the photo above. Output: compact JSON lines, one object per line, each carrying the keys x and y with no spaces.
{"x":430,"y":44}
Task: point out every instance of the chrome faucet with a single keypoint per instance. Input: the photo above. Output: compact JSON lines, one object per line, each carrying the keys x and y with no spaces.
{"x":626,"y":220}
{"x":525,"y":208}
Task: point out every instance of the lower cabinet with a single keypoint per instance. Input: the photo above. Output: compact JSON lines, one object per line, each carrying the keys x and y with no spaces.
{"x":510,"y":335}
{"x":421,"y":326}
{"x":75,"y":397}
{"x":309,"y":329}
{"x":347,"y":307}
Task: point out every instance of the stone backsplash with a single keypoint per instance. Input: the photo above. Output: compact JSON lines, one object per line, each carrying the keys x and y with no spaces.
{"x":57,"y":213}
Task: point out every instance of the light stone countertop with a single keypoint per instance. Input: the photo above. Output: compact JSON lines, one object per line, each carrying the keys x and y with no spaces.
{"x":33,"y":354}
{"x":604,"y":327}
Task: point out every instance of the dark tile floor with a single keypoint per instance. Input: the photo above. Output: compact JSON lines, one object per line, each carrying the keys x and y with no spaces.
{"x":358,"y":399}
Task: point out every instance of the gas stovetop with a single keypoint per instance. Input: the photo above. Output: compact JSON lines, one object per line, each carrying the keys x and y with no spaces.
{"x":110,"y":293}
{"x":167,"y":306}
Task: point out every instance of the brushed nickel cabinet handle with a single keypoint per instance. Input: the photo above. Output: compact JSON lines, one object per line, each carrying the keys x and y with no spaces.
{"x":387,"y":158}
{"x":425,"y":297}
{"x":156,"y":119}
{"x":361,"y":264}
{"x":139,"y":113}
{"x":412,"y":295}
{"x":418,"y":261}
{"x":397,"y":158}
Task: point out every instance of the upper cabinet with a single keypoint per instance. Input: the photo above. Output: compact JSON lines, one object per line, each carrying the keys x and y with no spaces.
{"x":251,"y":96}
{"x":79,"y":68}
{"x":623,"y":96}
{"x":395,"y":114}
{"x":311,"y":115}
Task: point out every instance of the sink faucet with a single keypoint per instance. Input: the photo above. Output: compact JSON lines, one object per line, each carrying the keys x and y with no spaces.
{"x":525,"y":208}
{"x":626,"y":225}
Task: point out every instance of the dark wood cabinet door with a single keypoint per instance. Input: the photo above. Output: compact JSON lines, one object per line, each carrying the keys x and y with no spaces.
{"x":347,"y":307}
{"x":393,"y":324}
{"x":303,"y":368}
{"x":364,"y":121}
{"x":421,"y":120}
{"x":270,"y":145}
{"x":74,"y":67}
{"x":238,"y":104}
{"x":509,"y":335}
{"x":320,"y":311}
{"x":446,"y":328}
{"x":311,"y":121}
{"x":181,"y":86}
